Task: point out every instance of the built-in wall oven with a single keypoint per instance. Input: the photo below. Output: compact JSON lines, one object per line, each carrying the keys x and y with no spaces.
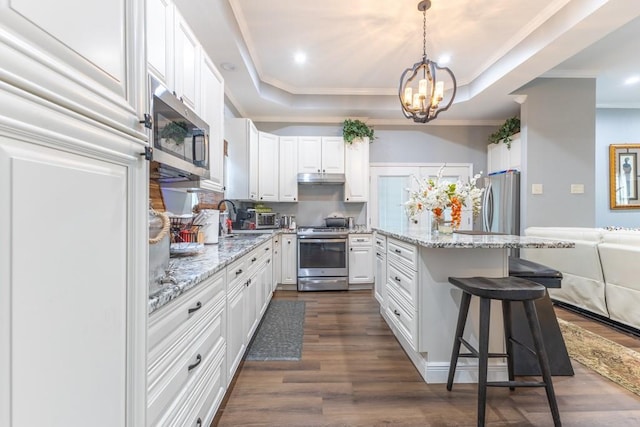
{"x":323,"y":259}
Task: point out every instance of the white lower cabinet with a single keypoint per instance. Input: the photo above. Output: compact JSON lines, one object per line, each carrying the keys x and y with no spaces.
{"x":361,"y":258}
{"x":277,"y":260}
{"x":289,"y":267}
{"x":401,"y":290}
{"x":381,"y":270}
{"x":187,"y":347}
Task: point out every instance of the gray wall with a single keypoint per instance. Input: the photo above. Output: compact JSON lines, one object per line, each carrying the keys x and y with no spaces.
{"x":558,"y":136}
{"x":613,"y":126}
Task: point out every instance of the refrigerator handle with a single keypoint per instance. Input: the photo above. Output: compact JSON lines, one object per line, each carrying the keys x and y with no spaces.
{"x":487,"y":207}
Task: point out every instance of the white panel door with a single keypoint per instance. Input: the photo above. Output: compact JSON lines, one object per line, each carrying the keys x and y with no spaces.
{"x":268,"y":155}
{"x":84,"y":54}
{"x":332,"y":154}
{"x":289,"y":259}
{"x":356,"y":186}
{"x":63,"y":287}
{"x":187,"y":63}
{"x":309,"y":154}
{"x":212,"y":111}
{"x":288,"y":168}
{"x":160,"y":40}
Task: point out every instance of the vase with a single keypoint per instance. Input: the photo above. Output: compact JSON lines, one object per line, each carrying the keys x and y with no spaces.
{"x":440,"y":226}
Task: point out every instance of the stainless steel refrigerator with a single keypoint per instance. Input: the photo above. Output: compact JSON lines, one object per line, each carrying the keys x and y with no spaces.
{"x":501,"y":203}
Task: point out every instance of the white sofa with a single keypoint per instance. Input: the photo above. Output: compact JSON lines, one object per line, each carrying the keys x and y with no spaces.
{"x":600,"y":275}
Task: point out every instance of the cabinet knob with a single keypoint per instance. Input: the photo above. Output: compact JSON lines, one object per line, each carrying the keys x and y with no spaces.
{"x":396,"y":312}
{"x":198,"y":360}
{"x":398,"y":251}
{"x":199,"y":422}
{"x":351,"y":249}
{"x":397,"y":279}
{"x":239,"y":272}
{"x":253,"y":259}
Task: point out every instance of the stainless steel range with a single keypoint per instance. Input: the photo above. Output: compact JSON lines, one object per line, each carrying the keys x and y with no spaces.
{"x":323,"y":259}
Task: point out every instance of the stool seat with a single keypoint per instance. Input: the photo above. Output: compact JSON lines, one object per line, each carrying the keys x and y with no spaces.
{"x":500,"y":288}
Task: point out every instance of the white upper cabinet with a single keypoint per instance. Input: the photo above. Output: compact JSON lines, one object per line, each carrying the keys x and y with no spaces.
{"x":242,"y":162}
{"x":91,"y":64}
{"x":332,"y":154}
{"x":320,"y":154}
{"x":212,"y":111}
{"x":288,"y":168}
{"x":160,"y":23}
{"x":187,"y":63}
{"x":356,"y":186}
{"x":268,"y":167}
{"x":309,"y":154}
{"x":500,"y":157}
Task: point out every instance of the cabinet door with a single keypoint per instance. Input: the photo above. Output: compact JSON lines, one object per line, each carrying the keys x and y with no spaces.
{"x":332,"y":154}
{"x":309,"y":154}
{"x":289,"y":259}
{"x":187,"y":63}
{"x":160,"y":40}
{"x":268,"y":154}
{"x":253,"y":160}
{"x":212,"y":112}
{"x":360,"y":264}
{"x":65,"y":325}
{"x":251,"y":296}
{"x":235,"y":330}
{"x":277,"y":261}
{"x":356,"y":187}
{"x":380,"y":279}
{"x":88,"y":55}
{"x":288,"y":169}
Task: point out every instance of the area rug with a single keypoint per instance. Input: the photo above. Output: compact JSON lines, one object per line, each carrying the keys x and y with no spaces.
{"x":279,"y":336}
{"x":611,"y":360}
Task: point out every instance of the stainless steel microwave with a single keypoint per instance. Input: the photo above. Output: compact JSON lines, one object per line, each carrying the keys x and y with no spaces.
{"x":180,"y":137}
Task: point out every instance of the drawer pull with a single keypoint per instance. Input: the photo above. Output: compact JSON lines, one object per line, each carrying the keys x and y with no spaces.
{"x":266,"y":249}
{"x":199,"y":422}
{"x":397,"y":279}
{"x":398,"y":251}
{"x":253,"y":259}
{"x":396,"y":312}
{"x":198,"y":360}
{"x":378,"y":253}
{"x":196,"y":308}
{"x":239,"y":272}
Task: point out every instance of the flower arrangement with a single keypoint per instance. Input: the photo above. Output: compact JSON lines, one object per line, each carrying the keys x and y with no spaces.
{"x":436,"y":195}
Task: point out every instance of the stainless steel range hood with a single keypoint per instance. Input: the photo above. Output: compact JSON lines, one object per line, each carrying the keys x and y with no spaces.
{"x":321,"y":178}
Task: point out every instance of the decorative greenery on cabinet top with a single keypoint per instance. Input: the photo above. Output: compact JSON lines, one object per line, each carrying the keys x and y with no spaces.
{"x":510,"y":127}
{"x":352,"y":129}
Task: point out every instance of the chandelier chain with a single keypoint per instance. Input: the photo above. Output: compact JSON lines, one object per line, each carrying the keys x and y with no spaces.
{"x":424,"y":33}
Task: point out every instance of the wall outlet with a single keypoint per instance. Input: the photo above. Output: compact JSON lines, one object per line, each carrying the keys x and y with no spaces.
{"x":536,"y":188}
{"x":577,"y":188}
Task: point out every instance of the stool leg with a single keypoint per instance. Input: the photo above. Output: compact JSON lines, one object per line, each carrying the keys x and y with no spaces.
{"x":506,"y":320}
{"x":462,"y":319}
{"x":483,"y":359}
{"x":534,"y":325}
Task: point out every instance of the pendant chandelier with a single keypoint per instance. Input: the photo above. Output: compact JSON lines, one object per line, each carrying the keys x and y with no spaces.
{"x":421,"y":90}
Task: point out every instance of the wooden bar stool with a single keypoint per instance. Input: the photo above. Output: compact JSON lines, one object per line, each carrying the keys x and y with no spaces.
{"x":505,"y":289}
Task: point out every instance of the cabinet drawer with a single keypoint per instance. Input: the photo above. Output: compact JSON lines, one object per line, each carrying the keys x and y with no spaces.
{"x":236,"y":270}
{"x":360,"y":239}
{"x":381,"y":244}
{"x":403,"y":252}
{"x":405,"y":280}
{"x":170,"y":373}
{"x":402,"y":315}
{"x":184,"y":311}
{"x":197,"y":405}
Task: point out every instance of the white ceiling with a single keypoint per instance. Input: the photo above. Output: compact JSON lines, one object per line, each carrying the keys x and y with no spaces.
{"x":357,"y":49}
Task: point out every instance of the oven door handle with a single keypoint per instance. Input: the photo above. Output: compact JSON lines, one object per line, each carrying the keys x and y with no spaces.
{"x":313,"y":240}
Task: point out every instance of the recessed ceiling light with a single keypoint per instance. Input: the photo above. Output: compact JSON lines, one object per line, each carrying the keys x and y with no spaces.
{"x":300,"y":58}
{"x":632,"y":80}
{"x":228,"y":66}
{"x":444,"y":59}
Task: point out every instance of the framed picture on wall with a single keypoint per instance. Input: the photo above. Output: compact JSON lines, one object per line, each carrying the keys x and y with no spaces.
{"x":623,"y":176}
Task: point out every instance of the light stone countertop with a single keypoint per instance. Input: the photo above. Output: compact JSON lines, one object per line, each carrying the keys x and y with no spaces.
{"x":189,"y":271}
{"x":487,"y":241}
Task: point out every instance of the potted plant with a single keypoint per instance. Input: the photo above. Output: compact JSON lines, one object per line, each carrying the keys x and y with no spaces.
{"x":510,"y":127}
{"x":353,"y":129}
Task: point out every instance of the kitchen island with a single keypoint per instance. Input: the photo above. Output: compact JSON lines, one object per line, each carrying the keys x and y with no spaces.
{"x":421,"y":306}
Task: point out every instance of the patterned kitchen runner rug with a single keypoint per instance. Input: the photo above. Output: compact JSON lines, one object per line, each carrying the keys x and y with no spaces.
{"x":279,"y":336}
{"x":611,"y":360}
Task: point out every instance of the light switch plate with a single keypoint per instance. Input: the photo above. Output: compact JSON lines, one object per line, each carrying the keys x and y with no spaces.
{"x":577,"y":188}
{"x":536,"y":188}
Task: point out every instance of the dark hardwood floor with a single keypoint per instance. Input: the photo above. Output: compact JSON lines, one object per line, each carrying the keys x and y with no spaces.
{"x":353,"y":372}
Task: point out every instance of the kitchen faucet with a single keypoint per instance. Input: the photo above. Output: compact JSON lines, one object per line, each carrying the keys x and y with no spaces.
{"x":229,"y":201}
